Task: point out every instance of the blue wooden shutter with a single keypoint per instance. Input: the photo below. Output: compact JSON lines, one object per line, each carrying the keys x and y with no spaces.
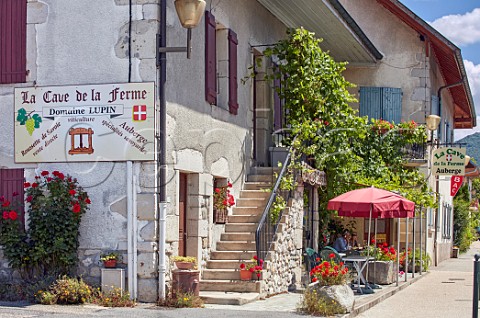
{"x":232,"y":72}
{"x":210,"y":59}
{"x":13,"y":41}
{"x":370,"y":102}
{"x":392,"y":104}
{"x":381,"y":103}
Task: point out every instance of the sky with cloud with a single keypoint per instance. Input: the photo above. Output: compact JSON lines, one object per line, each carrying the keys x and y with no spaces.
{"x":459,"y":21}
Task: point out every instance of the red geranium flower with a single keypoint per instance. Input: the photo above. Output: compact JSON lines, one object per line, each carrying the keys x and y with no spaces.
{"x":29,"y":198}
{"x":61,"y":176}
{"x":72,"y":192}
{"x":5,"y":215}
{"x":26,"y":184}
{"x":229,"y":184}
{"x":87,"y":201}
{"x":34,"y":185}
{"x":45,"y":173}
{"x":49,"y":179}
{"x":6,"y":203}
{"x":332,"y":255}
{"x":13,"y":215}
{"x":217,"y":190}
{"x":76,"y":208}
{"x":242,"y":266}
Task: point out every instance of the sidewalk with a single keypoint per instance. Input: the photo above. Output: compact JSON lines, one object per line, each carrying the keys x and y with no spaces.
{"x":446,"y":291}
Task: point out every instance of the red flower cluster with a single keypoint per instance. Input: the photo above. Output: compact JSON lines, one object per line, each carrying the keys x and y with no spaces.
{"x":12,"y":215}
{"x":255,"y":266}
{"x":329,"y":273}
{"x":387,"y":253}
{"x":380,"y":124}
{"x":222,"y":198}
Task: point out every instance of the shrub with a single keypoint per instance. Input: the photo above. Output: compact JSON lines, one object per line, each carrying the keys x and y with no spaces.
{"x":314,"y":304}
{"x":55,"y":204}
{"x":65,"y":291}
{"x":181,"y":300}
{"x":116,"y":297}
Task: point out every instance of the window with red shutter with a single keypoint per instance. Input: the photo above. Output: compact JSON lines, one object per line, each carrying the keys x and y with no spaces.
{"x":210,"y":59}
{"x":13,"y":38}
{"x":232,"y":72}
{"x":11,"y":186}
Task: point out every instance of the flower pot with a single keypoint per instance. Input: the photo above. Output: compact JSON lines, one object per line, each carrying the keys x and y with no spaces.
{"x":111,"y":263}
{"x":381,"y":272}
{"x":455,"y":252}
{"x":184,"y":265}
{"x":245,"y":274}
{"x":220,"y":216}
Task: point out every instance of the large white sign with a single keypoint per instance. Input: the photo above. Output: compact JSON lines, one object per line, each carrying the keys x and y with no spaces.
{"x":448,"y":161}
{"x":112,"y":122}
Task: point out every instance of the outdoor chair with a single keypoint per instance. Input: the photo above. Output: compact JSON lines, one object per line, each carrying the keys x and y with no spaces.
{"x":325,"y":254}
{"x":313,"y":258}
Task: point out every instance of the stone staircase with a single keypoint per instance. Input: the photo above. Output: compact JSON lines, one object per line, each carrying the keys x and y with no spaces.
{"x":220,"y":283}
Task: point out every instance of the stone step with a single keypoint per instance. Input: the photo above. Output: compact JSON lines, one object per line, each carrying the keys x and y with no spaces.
{"x":235,"y":246}
{"x":239,"y":286}
{"x":261,"y":178}
{"x":244,"y":218}
{"x":263,"y":170}
{"x":257,"y":185}
{"x":226,"y":264}
{"x":222,"y":274}
{"x":241,"y":227}
{"x":222,"y":298}
{"x":251,"y":202}
{"x":255,"y":194}
{"x":232,"y":255}
{"x":238,"y":237}
{"x":247,"y":210}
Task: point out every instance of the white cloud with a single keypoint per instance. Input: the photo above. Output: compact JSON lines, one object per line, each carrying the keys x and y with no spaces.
{"x":473,"y":74}
{"x":461,"y":29}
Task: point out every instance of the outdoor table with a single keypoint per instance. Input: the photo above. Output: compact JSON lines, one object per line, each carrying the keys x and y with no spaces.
{"x":359,"y":263}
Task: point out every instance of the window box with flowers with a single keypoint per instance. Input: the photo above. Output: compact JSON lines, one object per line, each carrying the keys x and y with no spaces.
{"x":329,"y":283}
{"x":251,"y":268}
{"x":384,"y":269}
{"x":222,"y":201}
{"x":110,"y":259}
{"x":381,"y":126}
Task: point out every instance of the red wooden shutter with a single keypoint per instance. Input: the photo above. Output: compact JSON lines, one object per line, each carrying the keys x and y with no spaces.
{"x":11,"y":187}
{"x":232,"y":72}
{"x":13,"y":38}
{"x":210,"y":59}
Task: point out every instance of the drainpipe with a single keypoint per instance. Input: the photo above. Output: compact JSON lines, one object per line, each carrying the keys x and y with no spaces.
{"x":161,"y":149}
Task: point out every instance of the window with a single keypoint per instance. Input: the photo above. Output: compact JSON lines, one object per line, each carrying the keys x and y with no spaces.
{"x":447,"y":222}
{"x":13,"y":37}
{"x":11,"y":185}
{"x":381,"y":103}
{"x":221,"y":85}
{"x":430,"y":221}
{"x":437,"y":110}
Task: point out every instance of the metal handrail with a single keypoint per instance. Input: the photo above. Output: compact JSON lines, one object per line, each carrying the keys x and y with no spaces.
{"x":265,"y":230}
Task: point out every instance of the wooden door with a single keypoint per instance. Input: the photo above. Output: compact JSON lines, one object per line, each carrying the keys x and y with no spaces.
{"x":182,"y":211}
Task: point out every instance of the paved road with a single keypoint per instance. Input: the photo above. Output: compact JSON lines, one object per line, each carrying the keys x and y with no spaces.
{"x":445,"y":292}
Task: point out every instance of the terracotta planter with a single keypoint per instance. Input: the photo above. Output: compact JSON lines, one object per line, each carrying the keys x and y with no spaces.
{"x":184,"y":265}
{"x":111,"y":263}
{"x":245,"y":274}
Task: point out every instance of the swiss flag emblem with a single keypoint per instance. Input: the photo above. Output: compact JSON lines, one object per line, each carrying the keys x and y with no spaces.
{"x":139,"y":112}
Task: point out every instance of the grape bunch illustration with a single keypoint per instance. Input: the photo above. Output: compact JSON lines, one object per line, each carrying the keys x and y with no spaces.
{"x":30,"y":122}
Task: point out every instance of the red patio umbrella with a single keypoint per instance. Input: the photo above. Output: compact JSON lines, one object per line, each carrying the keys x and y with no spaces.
{"x":372,"y":203}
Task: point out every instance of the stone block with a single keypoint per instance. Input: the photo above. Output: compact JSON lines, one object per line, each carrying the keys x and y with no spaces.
{"x":146,"y":207}
{"x":147,"y":247}
{"x":147,"y":177}
{"x":150,"y":11}
{"x":147,"y":265}
{"x":147,"y":290}
{"x":189,"y":160}
{"x":172,"y":228}
{"x":120,"y":207}
{"x":419,"y":94}
{"x":147,"y":231}
{"x":37,"y":12}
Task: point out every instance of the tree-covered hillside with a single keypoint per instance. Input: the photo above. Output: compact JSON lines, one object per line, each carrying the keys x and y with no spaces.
{"x":473,"y":146}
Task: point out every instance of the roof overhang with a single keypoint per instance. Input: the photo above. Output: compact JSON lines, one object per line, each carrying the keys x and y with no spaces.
{"x":342,"y":37}
{"x":450,"y":62}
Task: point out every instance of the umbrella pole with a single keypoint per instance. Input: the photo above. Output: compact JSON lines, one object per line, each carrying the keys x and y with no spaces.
{"x":406,"y":246}
{"x":413,"y":243}
{"x":369,"y":240}
{"x":375,"y":286}
{"x":421,"y":239}
{"x":398,"y":247}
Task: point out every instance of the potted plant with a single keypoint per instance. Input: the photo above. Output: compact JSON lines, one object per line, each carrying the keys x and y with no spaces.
{"x":222,"y":200}
{"x":110,"y":259}
{"x":384,"y":269}
{"x":329,"y":281}
{"x":247,"y":269}
{"x":381,"y":126}
{"x":184,"y":262}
